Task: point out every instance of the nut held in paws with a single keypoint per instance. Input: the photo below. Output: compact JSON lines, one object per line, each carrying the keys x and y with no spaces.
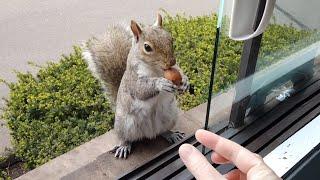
{"x":173,"y":75}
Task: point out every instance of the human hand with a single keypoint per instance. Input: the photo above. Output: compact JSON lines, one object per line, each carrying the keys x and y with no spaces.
{"x":250,"y":165}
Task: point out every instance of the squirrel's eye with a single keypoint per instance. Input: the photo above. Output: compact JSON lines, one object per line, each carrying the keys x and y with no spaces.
{"x":147,"y":47}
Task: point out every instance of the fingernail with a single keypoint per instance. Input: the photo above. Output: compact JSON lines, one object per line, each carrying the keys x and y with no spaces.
{"x":184,"y":151}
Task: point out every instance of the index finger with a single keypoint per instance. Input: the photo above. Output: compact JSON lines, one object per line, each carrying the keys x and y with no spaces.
{"x":240,"y":156}
{"x":197,"y":164}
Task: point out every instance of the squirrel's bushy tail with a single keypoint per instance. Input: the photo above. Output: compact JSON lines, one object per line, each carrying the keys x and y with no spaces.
{"x":107,"y":58}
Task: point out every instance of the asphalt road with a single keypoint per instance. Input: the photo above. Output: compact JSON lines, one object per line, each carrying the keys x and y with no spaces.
{"x":43,"y":30}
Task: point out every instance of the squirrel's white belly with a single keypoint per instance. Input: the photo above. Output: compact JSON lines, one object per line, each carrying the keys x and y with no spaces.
{"x":166,"y":112}
{"x":152,"y":117}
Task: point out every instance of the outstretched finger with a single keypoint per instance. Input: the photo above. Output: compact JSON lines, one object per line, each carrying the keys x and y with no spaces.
{"x":197,"y":164}
{"x":241,"y":157}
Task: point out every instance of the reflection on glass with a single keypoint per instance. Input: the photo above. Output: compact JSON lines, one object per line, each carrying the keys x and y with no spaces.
{"x":289,"y":48}
{"x":288,"y":61}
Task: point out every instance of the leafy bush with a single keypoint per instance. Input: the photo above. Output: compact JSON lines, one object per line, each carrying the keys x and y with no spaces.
{"x":56,"y":110}
{"x":193,"y":45}
{"x":64,"y":106}
{"x":3,"y":174}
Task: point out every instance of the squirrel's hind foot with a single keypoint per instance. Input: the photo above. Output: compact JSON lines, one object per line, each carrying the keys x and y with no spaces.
{"x":122,"y":150}
{"x":173,"y":137}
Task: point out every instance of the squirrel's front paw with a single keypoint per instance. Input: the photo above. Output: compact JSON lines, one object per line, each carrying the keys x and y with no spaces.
{"x":185,"y":85}
{"x":163,"y":84}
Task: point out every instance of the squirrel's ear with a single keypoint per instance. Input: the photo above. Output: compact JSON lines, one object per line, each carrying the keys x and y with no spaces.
{"x":136,"y":30}
{"x":158,"y":21}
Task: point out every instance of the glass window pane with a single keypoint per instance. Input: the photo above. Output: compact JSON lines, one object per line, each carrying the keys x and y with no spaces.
{"x":289,"y":51}
{"x":288,"y":59}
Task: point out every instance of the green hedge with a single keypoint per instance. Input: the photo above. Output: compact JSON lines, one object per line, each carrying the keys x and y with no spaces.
{"x":64,"y":106}
{"x":4,"y":175}
{"x":194,"y":38}
{"x":60,"y":108}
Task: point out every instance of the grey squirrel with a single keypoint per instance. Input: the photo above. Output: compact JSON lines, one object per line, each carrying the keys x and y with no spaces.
{"x":130,"y":63}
